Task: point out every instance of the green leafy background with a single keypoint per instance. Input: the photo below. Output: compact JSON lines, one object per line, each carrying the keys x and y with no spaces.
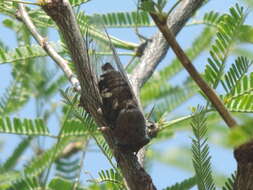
{"x":35,"y":119}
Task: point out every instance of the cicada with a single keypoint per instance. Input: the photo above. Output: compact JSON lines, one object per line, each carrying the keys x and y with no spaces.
{"x":124,"y":118}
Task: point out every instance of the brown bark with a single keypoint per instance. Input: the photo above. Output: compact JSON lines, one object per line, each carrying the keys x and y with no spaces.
{"x":186,"y":62}
{"x":61,"y":12}
{"x":244,"y":158}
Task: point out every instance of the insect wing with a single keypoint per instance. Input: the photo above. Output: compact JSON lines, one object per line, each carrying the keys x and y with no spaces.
{"x":120,"y":66}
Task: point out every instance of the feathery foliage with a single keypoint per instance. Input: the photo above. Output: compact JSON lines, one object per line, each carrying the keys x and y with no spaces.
{"x":235,"y":73}
{"x":125,"y":19}
{"x":75,"y":3}
{"x":35,"y":167}
{"x":229,"y":184}
{"x":11,"y":162}
{"x":23,"y":126}
{"x":240,"y":135}
{"x":27,"y":183}
{"x":14,"y":97}
{"x":159,"y":80}
{"x":184,"y":185}
{"x":200,"y":150}
{"x":67,"y":168}
{"x":241,"y":96}
{"x":176,"y":96}
{"x":102,"y":144}
{"x":111,"y":176}
{"x":228,"y":29}
{"x":25,"y":53}
{"x":85,"y":122}
{"x":63,"y":184}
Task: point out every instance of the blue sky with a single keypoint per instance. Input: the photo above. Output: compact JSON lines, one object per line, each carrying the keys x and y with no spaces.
{"x":162,"y":175}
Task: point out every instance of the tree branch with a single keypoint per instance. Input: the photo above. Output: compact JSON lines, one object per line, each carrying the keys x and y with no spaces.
{"x":157,"y":47}
{"x":61,"y":12}
{"x":244,"y":175}
{"x":62,"y":63}
{"x":185,"y":61}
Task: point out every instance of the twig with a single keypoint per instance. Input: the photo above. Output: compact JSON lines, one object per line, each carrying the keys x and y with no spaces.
{"x":62,"y":63}
{"x":208,"y":91}
{"x":157,"y":48}
{"x":72,"y":148}
{"x":81,"y":162}
{"x":24,"y":2}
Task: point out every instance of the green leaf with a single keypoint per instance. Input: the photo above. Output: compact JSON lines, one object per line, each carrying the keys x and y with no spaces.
{"x":11,"y":162}
{"x":23,"y":126}
{"x":92,"y":28}
{"x":110,"y":176}
{"x":157,"y":86}
{"x":75,"y":3}
{"x":35,"y":166}
{"x":63,"y":184}
{"x":240,"y":134}
{"x":148,"y":6}
{"x":26,"y":52}
{"x":67,"y":168}
{"x":174,"y":97}
{"x":104,"y":147}
{"x":75,"y":127}
{"x":228,"y":28}
{"x":124,"y":19}
{"x":245,"y":34}
{"x":229,"y":184}
{"x":14,"y":97}
{"x":200,"y":151}
{"x":235,"y":73}
{"x":184,"y":185}
{"x":212,"y":18}
{"x":241,"y":97}
{"x":161,"y":4}
{"x":27,"y":184}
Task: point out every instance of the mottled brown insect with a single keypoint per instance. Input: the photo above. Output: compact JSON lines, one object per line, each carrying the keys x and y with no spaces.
{"x":121,"y":111}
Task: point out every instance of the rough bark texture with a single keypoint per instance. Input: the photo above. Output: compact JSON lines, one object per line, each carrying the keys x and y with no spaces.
{"x":157,"y":47}
{"x":244,"y":158}
{"x":61,"y":12}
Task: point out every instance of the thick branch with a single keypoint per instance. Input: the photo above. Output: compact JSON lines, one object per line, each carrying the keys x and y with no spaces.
{"x":244,"y":158}
{"x":61,"y":12}
{"x":62,"y":63}
{"x":158,"y":47}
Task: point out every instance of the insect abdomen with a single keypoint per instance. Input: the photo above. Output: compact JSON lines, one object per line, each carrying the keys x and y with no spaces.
{"x":121,"y":110}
